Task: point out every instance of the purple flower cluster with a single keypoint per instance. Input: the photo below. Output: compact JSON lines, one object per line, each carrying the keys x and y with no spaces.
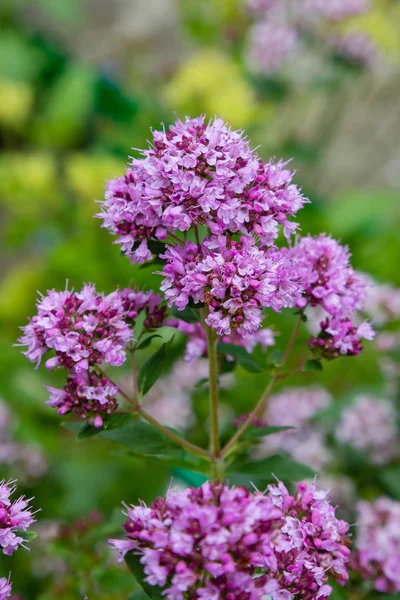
{"x":87,"y":329}
{"x":331,"y":284}
{"x":5,"y":588}
{"x":15,"y":517}
{"x":358,"y":48}
{"x":235,"y":280}
{"x":340,"y":337}
{"x":83,"y":328}
{"x":327,"y":276}
{"x":86,"y":394}
{"x":219,"y":542}
{"x":198,"y":173}
{"x":369,"y":424}
{"x":377,"y":547}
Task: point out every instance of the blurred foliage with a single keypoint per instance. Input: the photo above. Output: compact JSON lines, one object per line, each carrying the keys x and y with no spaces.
{"x":66,"y":125}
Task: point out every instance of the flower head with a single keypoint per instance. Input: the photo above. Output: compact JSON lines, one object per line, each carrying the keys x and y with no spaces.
{"x":335,"y":10}
{"x":221,"y":542}
{"x":83,"y":328}
{"x":198,"y":173}
{"x":340,"y":337}
{"x":88,"y":395}
{"x":328,"y":278}
{"x":377,"y":546}
{"x":15,"y":518}
{"x":236,"y":280}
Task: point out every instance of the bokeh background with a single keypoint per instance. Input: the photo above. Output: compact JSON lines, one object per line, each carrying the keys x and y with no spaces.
{"x":81,"y":83}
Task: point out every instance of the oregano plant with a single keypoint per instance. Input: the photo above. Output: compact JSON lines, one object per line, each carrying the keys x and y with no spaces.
{"x":217,"y":223}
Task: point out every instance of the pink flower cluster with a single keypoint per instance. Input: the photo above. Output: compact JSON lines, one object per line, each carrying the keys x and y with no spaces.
{"x":235,"y":280}
{"x":369,"y":424}
{"x":15,"y":517}
{"x":377,"y":546}
{"x":219,"y":542}
{"x":5,"y":588}
{"x":327,"y":276}
{"x":296,"y":407}
{"x":340,"y":337}
{"x":198,"y":173}
{"x":85,"y":330}
{"x":331,"y":284}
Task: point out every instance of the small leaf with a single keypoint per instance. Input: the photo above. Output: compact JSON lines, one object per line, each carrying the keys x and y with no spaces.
{"x":241,"y":355}
{"x":135,"y":566}
{"x":117,"y":421}
{"x":27,"y":536}
{"x":141,"y":437}
{"x":257,"y":432}
{"x":275,"y":358}
{"x":152,"y":369}
{"x":201,"y":382}
{"x":146,"y":343}
{"x":87,"y":431}
{"x":188,"y":314}
{"x":313,"y":365}
{"x":139,"y":595}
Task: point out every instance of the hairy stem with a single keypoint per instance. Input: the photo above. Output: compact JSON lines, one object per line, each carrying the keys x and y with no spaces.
{"x":213,"y":375}
{"x":260,"y":406}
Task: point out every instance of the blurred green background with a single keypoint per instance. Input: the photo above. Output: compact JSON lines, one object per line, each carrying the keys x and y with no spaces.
{"x":81,"y":83}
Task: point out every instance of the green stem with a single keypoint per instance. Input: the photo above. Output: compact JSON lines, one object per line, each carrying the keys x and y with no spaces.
{"x":137,"y":408}
{"x":260,"y":406}
{"x":213,"y":376}
{"x":173,"y":436}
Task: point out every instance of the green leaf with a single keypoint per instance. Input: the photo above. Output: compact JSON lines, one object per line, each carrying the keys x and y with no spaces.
{"x":240,"y":354}
{"x":141,"y":437}
{"x":201,"y":382}
{"x":116,"y":421}
{"x":257,"y":432}
{"x":313,"y":365}
{"x":188,"y":314}
{"x":275,"y":358}
{"x":152,"y":369}
{"x":135,"y":566}
{"x":139,"y":595}
{"x":146,"y":343}
{"x":27,"y":536}
{"x":191,"y":478}
{"x":278,"y":466}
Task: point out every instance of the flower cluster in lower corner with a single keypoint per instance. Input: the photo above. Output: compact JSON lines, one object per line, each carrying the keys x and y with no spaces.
{"x":377,"y":547}
{"x":15,"y":517}
{"x":220,"y":542}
